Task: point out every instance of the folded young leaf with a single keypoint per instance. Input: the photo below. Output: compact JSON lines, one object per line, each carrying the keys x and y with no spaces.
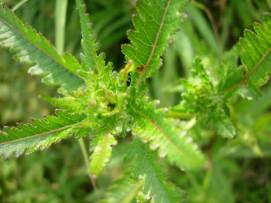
{"x":154,"y":23}
{"x":102,"y":153}
{"x":38,"y":135}
{"x":151,"y":127}
{"x":32,"y":48}
{"x":255,"y":53}
{"x":145,"y":165}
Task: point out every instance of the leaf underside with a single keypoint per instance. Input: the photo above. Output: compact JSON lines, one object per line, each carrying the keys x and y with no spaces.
{"x":32,"y":48}
{"x":160,"y":133}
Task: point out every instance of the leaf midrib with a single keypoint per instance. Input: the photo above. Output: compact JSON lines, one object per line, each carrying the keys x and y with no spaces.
{"x":39,"y":134}
{"x":261,"y":60}
{"x":154,"y":45}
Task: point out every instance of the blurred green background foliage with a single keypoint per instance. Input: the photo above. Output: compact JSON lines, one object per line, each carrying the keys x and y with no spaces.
{"x":239,"y":173}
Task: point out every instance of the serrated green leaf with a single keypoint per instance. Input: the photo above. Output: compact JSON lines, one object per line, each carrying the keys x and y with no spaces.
{"x":89,"y":43}
{"x":255,"y":53}
{"x":37,"y":135}
{"x":200,"y":98}
{"x":102,"y":153}
{"x":145,"y":165}
{"x":154,"y":23}
{"x":151,"y":127}
{"x":123,"y":191}
{"x":91,"y":59}
{"x":32,"y":48}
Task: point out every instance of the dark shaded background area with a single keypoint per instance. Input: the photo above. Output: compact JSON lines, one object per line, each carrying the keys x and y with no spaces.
{"x":210,"y":28}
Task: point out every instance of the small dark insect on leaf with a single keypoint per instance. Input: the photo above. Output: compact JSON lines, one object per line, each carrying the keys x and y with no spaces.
{"x":128,"y":82}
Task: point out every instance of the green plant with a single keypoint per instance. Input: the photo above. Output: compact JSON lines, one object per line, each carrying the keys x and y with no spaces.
{"x":108,"y":107}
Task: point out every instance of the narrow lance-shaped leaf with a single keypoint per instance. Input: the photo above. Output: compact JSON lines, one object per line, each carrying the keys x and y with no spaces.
{"x":255,"y":53}
{"x":89,"y":44}
{"x":145,"y":165}
{"x":151,"y":127}
{"x":32,"y":48}
{"x":39,"y":134}
{"x":154,"y":23}
{"x":102,"y":153}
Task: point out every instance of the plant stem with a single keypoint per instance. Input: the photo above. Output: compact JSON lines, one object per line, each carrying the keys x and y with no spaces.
{"x":85,"y":157}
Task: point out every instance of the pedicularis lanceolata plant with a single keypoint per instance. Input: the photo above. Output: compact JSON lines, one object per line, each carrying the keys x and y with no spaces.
{"x":106,"y":107}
